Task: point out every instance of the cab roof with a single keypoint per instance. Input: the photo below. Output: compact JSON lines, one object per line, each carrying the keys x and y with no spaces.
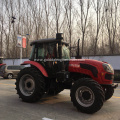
{"x":49,"y":40}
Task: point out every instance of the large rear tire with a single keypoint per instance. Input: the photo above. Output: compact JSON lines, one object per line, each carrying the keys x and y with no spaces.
{"x":87,"y":95}
{"x":30,"y":85}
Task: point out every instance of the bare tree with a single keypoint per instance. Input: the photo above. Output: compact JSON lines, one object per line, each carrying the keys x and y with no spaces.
{"x":46,"y":8}
{"x":68,"y":14}
{"x":43,"y":18}
{"x":84,"y":7}
{"x":57,"y":7}
{"x":1,"y":29}
{"x":111,"y":8}
{"x":98,"y":5}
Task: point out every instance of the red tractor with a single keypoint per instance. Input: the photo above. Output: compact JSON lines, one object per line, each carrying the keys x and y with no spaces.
{"x":51,"y":71}
{"x":1,"y":62}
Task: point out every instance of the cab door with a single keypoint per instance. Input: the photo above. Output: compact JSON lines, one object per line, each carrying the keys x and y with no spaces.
{"x":50,"y":59}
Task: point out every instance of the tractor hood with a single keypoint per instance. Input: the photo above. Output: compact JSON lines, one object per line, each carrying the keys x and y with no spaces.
{"x":86,"y":66}
{"x":100,"y":71}
{"x":85,"y":61}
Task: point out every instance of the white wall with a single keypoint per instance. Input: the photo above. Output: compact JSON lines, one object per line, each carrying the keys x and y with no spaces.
{"x":113,"y":60}
{"x":13,"y":61}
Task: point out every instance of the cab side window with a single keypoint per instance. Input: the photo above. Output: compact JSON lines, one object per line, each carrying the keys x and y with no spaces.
{"x":41,"y":51}
{"x":51,"y":50}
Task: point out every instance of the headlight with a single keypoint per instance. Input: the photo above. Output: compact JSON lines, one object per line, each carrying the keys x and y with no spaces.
{"x":108,"y":68}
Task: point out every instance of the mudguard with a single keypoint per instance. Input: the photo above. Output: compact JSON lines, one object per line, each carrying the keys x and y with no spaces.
{"x":2,"y":64}
{"x":36,"y":64}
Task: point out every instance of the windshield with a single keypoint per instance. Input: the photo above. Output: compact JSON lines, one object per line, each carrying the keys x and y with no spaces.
{"x":65,"y":52}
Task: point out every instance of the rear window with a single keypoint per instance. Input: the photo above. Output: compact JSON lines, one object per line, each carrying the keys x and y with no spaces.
{"x":15,"y":67}
{"x":9,"y":67}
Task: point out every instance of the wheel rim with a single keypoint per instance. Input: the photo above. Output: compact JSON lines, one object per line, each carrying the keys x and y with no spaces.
{"x":85,"y":96}
{"x":27,"y":85}
{"x":10,"y":76}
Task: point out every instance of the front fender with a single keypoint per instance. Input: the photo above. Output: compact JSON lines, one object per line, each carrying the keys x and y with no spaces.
{"x":36,"y":64}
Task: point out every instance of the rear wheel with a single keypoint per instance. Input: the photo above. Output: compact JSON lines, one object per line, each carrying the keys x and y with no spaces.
{"x":30,"y":85}
{"x":87,"y":95}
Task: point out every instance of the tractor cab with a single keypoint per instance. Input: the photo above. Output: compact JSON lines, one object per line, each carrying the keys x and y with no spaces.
{"x":51,"y":71}
{"x":50,"y":53}
{"x":48,"y":49}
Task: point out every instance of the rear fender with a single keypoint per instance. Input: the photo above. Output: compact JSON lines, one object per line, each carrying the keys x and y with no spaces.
{"x":39,"y":66}
{"x":2,"y":64}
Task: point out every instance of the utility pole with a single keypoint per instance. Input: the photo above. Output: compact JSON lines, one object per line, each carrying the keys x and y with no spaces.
{"x":27,"y":39}
{"x":70,"y":8}
{"x":78,"y":47}
{"x":13,"y":21}
{"x":20,"y":54}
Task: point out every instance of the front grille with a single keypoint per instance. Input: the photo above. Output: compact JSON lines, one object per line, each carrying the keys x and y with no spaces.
{"x":109,"y":76}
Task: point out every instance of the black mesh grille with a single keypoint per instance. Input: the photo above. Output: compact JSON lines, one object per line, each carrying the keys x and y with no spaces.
{"x":109,"y":76}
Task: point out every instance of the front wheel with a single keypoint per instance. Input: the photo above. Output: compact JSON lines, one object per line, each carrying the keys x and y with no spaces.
{"x":109,"y":90}
{"x":87,"y":95}
{"x":30,"y":85}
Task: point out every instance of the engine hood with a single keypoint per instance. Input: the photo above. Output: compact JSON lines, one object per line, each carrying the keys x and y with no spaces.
{"x":91,"y":68}
{"x":85,"y":66}
{"x":86,"y":61}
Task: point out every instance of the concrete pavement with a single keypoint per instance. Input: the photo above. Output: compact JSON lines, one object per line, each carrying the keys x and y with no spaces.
{"x":57,"y":107}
